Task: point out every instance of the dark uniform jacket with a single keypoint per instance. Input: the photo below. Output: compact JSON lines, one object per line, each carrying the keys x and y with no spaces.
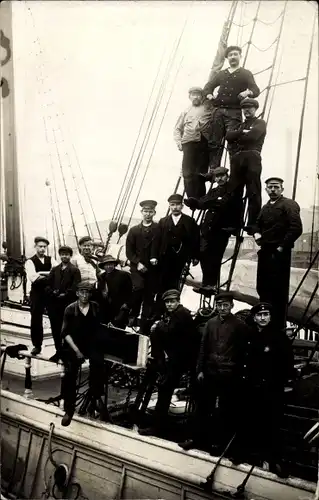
{"x":269,"y":359}
{"x":141,"y":244}
{"x":222,"y":346}
{"x":223,"y":210}
{"x":119,"y":285}
{"x":63,"y":281}
{"x":279,"y":224}
{"x":253,"y":140}
{"x":176,"y":336}
{"x":182,"y":238}
{"x":230,"y":85}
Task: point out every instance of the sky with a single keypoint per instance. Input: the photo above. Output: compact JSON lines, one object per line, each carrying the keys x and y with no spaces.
{"x":84,"y":72}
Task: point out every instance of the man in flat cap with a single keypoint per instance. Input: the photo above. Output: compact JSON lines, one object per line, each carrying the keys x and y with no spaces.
{"x":234,"y":84}
{"x":141,"y":252}
{"x":223,"y":215}
{"x":268,"y":365}
{"x":85,"y":261}
{"x":81,"y":340}
{"x":189,"y":137}
{"x":245,"y":167}
{"x":174,"y":344}
{"x":278,"y":227}
{"x":177,"y":244}
{"x":61,"y":291}
{"x":218,"y":369}
{"x":115,"y":289}
{"x":37,"y":269}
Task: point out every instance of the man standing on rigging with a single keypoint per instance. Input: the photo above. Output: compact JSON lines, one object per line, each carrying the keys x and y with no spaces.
{"x":278,"y":227}
{"x":61,"y":291}
{"x":235,"y":83}
{"x":190,"y":140}
{"x":245,"y":168}
{"x":177,"y":243}
{"x":38,"y":268}
{"x":223,"y":216}
{"x":140,"y":251}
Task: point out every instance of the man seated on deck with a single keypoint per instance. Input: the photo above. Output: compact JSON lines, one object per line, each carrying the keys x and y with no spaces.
{"x":81,"y":340}
{"x":245,"y":166}
{"x":235,"y":83}
{"x":268,"y":365}
{"x":115,"y":289}
{"x":224,"y":213}
{"x":38,"y":268}
{"x":61,"y":291}
{"x":174,"y":343}
{"x":218,"y":369}
{"x":189,"y":139}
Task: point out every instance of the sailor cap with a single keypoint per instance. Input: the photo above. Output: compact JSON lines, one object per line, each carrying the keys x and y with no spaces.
{"x":84,"y":239}
{"x":85,"y":285}
{"x":38,"y":239}
{"x":148,"y":204}
{"x":274,"y":179}
{"x":228,"y":296}
{"x":249,"y":103}
{"x":260,"y":307}
{"x":175,"y":198}
{"x":66,"y":249}
{"x":171,"y":294}
{"x":220,"y":171}
{"x":195,"y":90}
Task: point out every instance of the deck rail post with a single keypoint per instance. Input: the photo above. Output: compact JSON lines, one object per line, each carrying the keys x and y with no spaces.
{"x":28,"y":394}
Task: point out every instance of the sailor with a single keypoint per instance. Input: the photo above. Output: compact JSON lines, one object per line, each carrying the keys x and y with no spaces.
{"x":191,"y":141}
{"x":245,"y":169}
{"x":218,"y":368}
{"x":80,"y":336}
{"x":235,"y":83}
{"x":61,"y":291}
{"x":178,"y":243}
{"x":140,"y":251}
{"x":85,"y":261}
{"x":268,"y":365}
{"x":278,"y":227}
{"x":38,"y":268}
{"x":174,"y":344}
{"x":115,"y":287}
{"x":223,"y":216}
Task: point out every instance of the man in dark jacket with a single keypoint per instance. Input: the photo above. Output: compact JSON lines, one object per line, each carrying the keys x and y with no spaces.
{"x":142,"y":254}
{"x":61,"y":291}
{"x":235,"y":83}
{"x":218,"y":368}
{"x":177,"y":243}
{"x":115,"y":287}
{"x":245,"y":169}
{"x":174,"y":343}
{"x":224,"y":213}
{"x":278,"y":227}
{"x":81,"y":340}
{"x":268,"y":365}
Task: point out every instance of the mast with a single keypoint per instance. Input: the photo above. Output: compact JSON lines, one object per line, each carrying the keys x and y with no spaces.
{"x":8,"y":157}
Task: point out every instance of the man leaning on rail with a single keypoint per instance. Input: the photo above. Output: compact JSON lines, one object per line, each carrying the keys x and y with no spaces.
{"x":81,"y":340}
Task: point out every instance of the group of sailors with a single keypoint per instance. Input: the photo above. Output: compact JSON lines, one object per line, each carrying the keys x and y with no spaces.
{"x":233,"y":362}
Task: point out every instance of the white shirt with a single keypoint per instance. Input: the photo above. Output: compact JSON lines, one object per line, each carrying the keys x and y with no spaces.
{"x":176,"y":218}
{"x":88,"y":272}
{"x":32,"y":275}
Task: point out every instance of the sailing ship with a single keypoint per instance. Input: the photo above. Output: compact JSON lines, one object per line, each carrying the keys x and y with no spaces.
{"x":91,"y":459}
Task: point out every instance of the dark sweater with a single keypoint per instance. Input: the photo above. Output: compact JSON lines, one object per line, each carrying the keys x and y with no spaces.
{"x":231,"y":84}
{"x":222,"y":346}
{"x":251,"y":141}
{"x":83,"y":329}
{"x":279,"y":224}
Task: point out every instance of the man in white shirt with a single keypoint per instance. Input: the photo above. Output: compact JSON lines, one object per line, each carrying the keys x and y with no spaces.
{"x":190,"y":139}
{"x":38,"y":268}
{"x":85,"y":261}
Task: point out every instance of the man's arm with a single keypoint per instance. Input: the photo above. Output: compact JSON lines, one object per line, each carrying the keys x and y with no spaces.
{"x":234,"y":134}
{"x":179,"y":129}
{"x":257,"y":130}
{"x":295,"y":225}
{"x":131,"y":247}
{"x":210,"y":86}
{"x":251,"y":84}
{"x":32,"y":275}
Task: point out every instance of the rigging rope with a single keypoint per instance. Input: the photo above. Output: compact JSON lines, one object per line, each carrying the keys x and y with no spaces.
{"x":252,"y":32}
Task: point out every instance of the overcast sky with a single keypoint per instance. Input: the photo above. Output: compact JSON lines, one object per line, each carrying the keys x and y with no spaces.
{"x":84,"y":73}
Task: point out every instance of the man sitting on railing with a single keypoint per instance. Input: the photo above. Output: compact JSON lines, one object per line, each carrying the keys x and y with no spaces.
{"x":80,"y":334}
{"x":174,"y":342}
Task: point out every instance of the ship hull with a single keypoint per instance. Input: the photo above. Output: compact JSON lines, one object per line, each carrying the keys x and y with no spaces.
{"x":112,"y":462}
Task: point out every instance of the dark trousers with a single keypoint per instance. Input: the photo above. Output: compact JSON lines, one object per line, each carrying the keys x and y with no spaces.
{"x":38,"y":304}
{"x":212,"y":425}
{"x":143,"y":295}
{"x":195,"y":162}
{"x":56,"y":310}
{"x":171,"y":267}
{"x":273,"y":277}
{"x":71,"y":373}
{"x":165,"y":393}
{"x":211,"y":255}
{"x":223,"y":119}
{"x":245,"y":171}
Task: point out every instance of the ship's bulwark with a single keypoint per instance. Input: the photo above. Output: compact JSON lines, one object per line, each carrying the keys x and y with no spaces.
{"x":109,"y":460}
